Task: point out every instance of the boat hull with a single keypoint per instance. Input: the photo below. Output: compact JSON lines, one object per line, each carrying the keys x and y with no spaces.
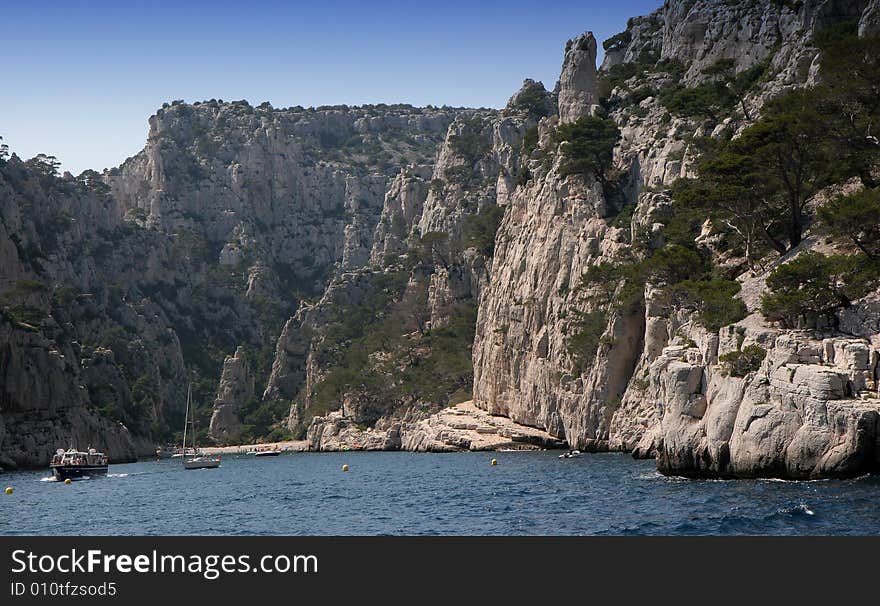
{"x":201,"y":463}
{"x":76,"y":472}
{"x":270,"y":453}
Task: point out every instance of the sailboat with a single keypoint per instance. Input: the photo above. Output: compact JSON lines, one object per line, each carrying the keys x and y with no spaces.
{"x":192,"y":459}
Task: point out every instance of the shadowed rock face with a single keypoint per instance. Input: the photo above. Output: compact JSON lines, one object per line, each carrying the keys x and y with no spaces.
{"x":44,"y":408}
{"x":235,"y":390}
{"x":869,"y":23}
{"x":66,"y":329}
{"x":116,"y":287}
{"x":577,"y":83}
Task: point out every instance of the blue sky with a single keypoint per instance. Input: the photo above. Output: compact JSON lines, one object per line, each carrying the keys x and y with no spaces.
{"x":80,"y":78}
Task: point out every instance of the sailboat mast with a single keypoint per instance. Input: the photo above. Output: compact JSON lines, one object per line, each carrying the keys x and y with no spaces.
{"x":195,"y":452}
{"x":186,"y":418}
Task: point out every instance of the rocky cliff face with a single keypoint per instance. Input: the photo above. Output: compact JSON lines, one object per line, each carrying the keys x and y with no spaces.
{"x":655,"y":384}
{"x":235,"y":391}
{"x":577,"y":84}
{"x":347,"y":274}
{"x":295,"y":188}
{"x":81,"y":365}
{"x":699,"y":34}
{"x":807,"y":412}
{"x":140,"y":280}
{"x":419,"y":292}
{"x":286,"y":205}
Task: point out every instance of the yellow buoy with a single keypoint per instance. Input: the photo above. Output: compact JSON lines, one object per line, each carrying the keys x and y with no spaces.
{"x":67,"y":481}
{"x":494,"y":461}
{"x":9,"y":490}
{"x":345,"y":468}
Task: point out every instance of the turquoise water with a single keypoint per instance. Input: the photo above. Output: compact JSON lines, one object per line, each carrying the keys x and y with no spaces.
{"x":527,"y":493}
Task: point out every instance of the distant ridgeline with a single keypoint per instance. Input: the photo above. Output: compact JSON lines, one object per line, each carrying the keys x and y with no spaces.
{"x":674,"y":255}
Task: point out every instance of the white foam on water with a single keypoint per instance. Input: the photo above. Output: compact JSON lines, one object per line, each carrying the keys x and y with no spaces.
{"x":801,"y":507}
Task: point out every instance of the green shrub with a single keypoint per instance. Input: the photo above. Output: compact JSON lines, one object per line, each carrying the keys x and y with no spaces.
{"x":720,"y":67}
{"x":617,"y":41}
{"x":672,"y":264}
{"x":460,"y":174}
{"x":855,"y":217}
{"x":470,"y":143}
{"x":615,"y":77}
{"x":479,"y":230}
{"x":588,"y":146}
{"x":740,"y":363}
{"x":533,"y":100}
{"x":583,"y":344}
{"x":530,"y":141}
{"x":640,"y":94}
{"x":714,"y":299}
{"x":706,"y":100}
{"x":713,"y":98}
{"x":816,"y":285}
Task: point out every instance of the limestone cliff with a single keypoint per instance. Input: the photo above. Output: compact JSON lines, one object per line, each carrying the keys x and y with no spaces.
{"x":140,"y":280}
{"x":347,"y":274}
{"x":577,"y":83}
{"x":66,"y":329}
{"x":416,"y":299}
{"x":235,"y":390}
{"x":655,"y":384}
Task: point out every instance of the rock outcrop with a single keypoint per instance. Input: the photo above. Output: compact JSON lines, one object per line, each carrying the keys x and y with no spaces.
{"x":235,"y":390}
{"x":429,"y":262}
{"x":44,"y":406}
{"x":577,"y":84}
{"x":811,"y":410}
{"x":869,"y":23}
{"x":456,"y":428}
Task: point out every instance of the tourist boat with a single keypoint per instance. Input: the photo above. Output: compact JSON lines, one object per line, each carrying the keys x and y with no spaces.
{"x":192,"y":458}
{"x":268,"y":453}
{"x":73,"y":464}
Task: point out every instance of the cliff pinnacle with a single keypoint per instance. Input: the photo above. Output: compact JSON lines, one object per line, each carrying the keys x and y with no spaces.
{"x":577,"y":82}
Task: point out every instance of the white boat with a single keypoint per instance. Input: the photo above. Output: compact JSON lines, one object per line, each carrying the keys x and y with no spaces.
{"x":192,"y":458}
{"x":268,"y":453}
{"x":73,"y":464}
{"x":201,"y":462}
{"x":571,"y":454}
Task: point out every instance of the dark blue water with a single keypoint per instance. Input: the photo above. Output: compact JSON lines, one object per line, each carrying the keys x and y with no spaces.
{"x":415,"y":494}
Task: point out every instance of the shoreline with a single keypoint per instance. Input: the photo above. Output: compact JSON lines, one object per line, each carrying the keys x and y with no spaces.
{"x":283,"y":446}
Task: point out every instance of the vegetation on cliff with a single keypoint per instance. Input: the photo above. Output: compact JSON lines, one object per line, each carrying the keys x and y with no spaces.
{"x":757,"y":186}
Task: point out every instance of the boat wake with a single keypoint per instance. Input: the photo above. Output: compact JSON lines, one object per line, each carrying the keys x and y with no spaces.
{"x":787,"y":481}
{"x":799,"y":509}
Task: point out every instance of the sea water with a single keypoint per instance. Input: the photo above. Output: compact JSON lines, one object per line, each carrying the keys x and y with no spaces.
{"x":399,"y":493}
